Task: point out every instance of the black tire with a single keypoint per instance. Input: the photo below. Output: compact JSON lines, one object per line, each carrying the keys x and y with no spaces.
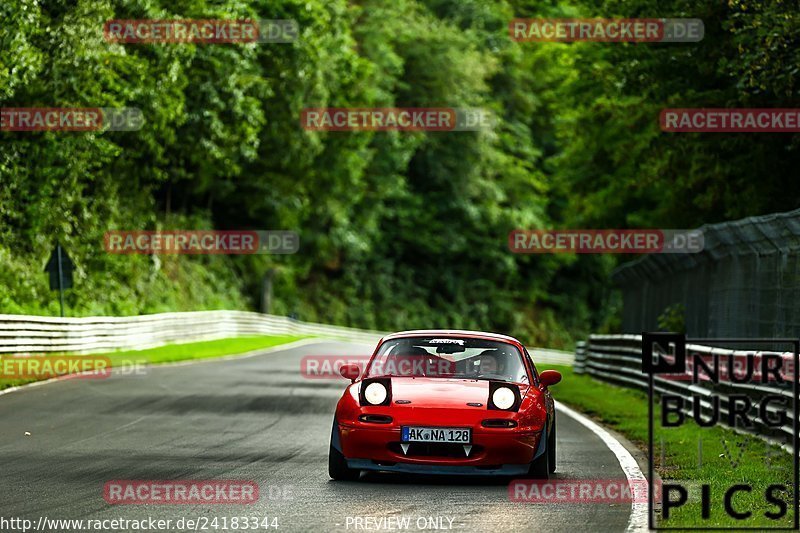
{"x":551,"y":446}
{"x":540,"y":467}
{"x":338,"y":469}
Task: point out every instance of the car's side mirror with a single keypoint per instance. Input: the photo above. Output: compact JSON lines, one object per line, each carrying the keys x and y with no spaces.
{"x":351,"y":372}
{"x":549,"y":377}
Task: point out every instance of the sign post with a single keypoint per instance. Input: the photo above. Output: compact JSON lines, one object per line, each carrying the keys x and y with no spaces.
{"x":60,"y":268}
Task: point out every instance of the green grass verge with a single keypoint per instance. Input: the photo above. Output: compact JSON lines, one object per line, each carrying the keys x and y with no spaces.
{"x":678,"y":454}
{"x":181,"y":352}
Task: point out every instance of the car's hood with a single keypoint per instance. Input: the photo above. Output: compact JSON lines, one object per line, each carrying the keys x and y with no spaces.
{"x":441,"y":392}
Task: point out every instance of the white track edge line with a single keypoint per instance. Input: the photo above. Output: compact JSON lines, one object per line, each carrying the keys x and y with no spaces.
{"x":638,"y":517}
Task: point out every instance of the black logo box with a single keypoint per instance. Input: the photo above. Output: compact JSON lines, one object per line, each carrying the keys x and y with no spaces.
{"x":650,"y":366}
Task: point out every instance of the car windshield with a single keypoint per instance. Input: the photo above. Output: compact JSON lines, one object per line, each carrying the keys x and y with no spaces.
{"x":449,"y":357}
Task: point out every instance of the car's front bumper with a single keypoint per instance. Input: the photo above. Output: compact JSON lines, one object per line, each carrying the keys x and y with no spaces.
{"x":493,"y":452}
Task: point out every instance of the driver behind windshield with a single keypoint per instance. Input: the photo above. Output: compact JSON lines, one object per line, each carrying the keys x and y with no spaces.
{"x":487,"y":363}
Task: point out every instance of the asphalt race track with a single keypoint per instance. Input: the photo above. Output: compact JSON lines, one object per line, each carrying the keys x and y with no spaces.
{"x":254,"y":418}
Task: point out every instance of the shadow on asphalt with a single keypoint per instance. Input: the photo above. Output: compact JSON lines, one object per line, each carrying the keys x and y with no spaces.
{"x":381,"y":478}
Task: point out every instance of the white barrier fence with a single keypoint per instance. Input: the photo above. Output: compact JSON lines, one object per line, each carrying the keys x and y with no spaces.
{"x":24,"y":334}
{"x":27,"y":334}
{"x":552,"y":357}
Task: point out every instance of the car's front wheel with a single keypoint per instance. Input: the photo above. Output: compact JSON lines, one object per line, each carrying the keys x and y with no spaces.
{"x":337,"y":467}
{"x":551,"y":446}
{"x":540,"y":467}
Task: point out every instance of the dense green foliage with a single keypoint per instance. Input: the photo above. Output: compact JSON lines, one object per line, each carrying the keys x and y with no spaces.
{"x":397,"y":229}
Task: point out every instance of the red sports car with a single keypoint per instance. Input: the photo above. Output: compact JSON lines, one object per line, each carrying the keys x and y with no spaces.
{"x":446,"y":402}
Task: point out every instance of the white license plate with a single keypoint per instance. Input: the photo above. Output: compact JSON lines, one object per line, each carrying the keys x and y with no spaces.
{"x":433,"y":434}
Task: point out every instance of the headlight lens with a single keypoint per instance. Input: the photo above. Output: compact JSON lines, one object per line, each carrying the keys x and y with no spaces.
{"x":375,"y":393}
{"x":503,"y":398}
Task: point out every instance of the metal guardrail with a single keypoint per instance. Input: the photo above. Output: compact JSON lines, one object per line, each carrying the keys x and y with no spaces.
{"x":579,"y":364}
{"x":617,"y":359}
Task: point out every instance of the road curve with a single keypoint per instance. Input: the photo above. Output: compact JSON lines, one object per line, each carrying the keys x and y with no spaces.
{"x":254,"y":418}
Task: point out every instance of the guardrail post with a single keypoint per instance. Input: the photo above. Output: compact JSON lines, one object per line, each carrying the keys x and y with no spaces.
{"x":579,"y":367}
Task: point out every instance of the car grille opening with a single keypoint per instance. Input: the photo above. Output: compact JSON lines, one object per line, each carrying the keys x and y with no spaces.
{"x":435,"y":449}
